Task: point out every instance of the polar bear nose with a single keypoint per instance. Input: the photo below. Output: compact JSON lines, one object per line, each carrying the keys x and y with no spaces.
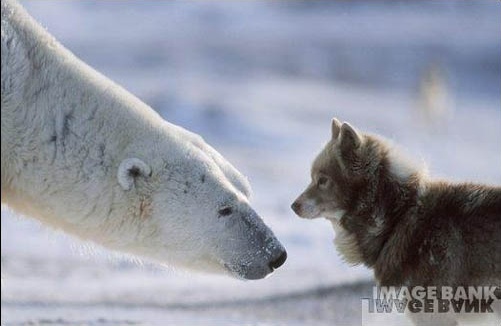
{"x":279,"y":261}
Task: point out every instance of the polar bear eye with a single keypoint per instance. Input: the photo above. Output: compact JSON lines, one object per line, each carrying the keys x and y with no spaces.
{"x":225,"y":211}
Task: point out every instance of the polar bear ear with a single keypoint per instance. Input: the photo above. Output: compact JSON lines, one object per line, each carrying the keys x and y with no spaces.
{"x":129,"y":170}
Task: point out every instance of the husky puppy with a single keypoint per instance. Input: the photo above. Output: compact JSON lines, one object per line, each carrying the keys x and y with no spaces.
{"x":389,"y":216}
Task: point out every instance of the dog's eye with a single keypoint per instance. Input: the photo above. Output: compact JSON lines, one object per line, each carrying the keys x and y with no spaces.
{"x":323,"y":181}
{"x":225,"y":211}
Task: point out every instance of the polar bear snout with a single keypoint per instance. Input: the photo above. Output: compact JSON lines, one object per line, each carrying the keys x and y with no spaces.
{"x":260,"y":269}
{"x":271,"y":257}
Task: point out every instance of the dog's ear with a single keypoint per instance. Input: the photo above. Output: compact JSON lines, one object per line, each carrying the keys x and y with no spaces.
{"x":335,"y":128}
{"x":130,"y":170}
{"x":349,"y":137}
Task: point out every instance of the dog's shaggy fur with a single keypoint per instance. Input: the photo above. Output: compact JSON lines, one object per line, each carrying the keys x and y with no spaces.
{"x":390,"y":216}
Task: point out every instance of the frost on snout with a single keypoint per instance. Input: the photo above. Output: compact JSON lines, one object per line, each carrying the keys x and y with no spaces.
{"x":260,"y":252}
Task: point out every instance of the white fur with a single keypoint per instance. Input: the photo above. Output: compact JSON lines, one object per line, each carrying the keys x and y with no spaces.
{"x":346,"y":244}
{"x":337,"y":215}
{"x":68,"y":137}
{"x":401,"y":165}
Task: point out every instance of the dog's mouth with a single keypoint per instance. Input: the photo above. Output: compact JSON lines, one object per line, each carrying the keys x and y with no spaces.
{"x":306,"y":209}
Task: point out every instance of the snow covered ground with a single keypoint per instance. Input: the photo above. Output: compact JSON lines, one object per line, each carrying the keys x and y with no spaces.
{"x":260,"y":81}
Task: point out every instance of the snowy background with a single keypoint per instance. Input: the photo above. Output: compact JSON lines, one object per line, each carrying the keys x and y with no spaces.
{"x":260,"y":81}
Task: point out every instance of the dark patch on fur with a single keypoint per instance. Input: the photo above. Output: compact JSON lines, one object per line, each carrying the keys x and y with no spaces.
{"x":101,"y":153}
{"x":66,"y":125}
{"x":202,"y":178}
{"x":93,"y":111}
{"x":134,"y":172}
{"x":226,"y":211}
{"x":187,"y":185}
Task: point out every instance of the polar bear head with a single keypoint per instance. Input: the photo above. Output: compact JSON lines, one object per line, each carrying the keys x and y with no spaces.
{"x":194,"y":211}
{"x":87,"y":157}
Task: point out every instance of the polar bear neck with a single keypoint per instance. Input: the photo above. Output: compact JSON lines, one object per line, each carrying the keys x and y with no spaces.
{"x":60,"y":120}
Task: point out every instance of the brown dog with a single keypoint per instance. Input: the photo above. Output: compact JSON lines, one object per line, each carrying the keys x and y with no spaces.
{"x":389,"y":216}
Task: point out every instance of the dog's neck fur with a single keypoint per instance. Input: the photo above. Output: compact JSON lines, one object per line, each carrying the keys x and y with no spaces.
{"x":401,"y":205}
{"x":389,"y":205}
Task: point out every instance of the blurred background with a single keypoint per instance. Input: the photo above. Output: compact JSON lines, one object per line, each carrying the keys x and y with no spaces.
{"x":260,"y":81}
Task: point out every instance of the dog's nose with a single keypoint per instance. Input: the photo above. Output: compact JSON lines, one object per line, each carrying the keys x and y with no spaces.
{"x":279,"y":261}
{"x":296,"y":207}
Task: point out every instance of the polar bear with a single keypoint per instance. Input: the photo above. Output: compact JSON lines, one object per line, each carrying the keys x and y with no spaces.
{"x":81,"y":154}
